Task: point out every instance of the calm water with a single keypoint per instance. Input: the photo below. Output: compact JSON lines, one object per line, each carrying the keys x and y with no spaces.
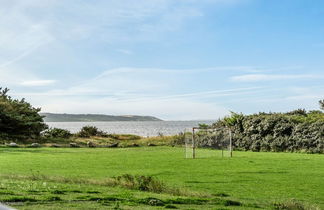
{"x":137,"y":128}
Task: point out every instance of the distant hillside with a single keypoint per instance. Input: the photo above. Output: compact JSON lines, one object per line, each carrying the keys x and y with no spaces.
{"x":50,"y":117}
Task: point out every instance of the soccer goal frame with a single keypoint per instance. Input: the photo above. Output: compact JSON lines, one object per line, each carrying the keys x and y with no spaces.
{"x":212,"y":130}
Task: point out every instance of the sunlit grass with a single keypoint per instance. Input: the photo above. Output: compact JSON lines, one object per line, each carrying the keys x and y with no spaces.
{"x":252,"y":179}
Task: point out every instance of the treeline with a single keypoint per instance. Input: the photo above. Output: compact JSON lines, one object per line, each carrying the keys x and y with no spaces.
{"x":299,"y":130}
{"x":294,"y":131}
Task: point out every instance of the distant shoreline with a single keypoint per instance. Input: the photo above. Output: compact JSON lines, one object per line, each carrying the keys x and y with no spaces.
{"x":56,"y":117}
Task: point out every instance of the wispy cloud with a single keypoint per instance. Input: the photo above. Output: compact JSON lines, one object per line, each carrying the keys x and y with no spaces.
{"x":38,"y":83}
{"x":270,"y":77}
{"x":312,"y":97}
{"x":107,"y":21}
{"x":124,"y":51}
{"x":126,"y":70}
{"x":205,"y":94}
{"x":148,"y":91}
{"x":82,"y":46}
{"x":128,"y":97}
{"x":24,"y":54}
{"x":173,"y":109}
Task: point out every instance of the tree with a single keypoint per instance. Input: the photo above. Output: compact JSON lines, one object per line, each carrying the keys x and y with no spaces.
{"x":203,"y":126}
{"x":235,"y":120}
{"x":321,"y":103}
{"x":19,"y":120}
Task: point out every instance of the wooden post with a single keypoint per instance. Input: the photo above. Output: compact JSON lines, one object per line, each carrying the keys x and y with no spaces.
{"x":193,"y":144}
{"x":186,"y":146}
{"x":215,"y":131}
{"x":230,"y":136}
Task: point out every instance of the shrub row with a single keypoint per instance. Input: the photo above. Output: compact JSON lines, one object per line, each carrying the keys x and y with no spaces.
{"x":85,"y":132}
{"x":293,"y":131}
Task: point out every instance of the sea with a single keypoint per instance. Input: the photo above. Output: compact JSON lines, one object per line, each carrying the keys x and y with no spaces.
{"x":140,"y":128}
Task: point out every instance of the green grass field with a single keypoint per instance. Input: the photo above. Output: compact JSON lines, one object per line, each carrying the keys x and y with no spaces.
{"x":52,"y":178}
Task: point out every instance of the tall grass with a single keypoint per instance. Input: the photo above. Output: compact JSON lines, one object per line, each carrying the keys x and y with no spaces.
{"x":128,"y":181}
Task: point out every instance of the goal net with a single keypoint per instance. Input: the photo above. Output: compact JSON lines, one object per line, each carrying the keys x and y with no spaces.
{"x":215,"y":138}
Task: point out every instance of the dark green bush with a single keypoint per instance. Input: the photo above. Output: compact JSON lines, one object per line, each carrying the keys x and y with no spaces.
{"x":88,"y":131}
{"x":56,"y":133}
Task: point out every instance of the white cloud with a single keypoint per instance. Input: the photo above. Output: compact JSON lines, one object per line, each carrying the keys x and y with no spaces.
{"x":309,"y":93}
{"x":38,"y":83}
{"x":270,"y":77}
{"x":29,"y":27}
{"x":173,"y":109}
{"x":26,"y":22}
{"x":147,"y":82}
{"x":312,"y":97}
{"x":141,"y":91}
{"x":124,"y":51}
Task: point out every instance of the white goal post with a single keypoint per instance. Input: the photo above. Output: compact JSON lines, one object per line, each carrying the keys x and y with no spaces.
{"x":192,"y":140}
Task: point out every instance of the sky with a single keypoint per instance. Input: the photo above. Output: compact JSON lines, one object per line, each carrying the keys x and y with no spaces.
{"x":173,"y":59}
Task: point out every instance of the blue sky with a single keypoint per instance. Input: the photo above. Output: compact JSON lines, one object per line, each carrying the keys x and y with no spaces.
{"x":174,"y":59}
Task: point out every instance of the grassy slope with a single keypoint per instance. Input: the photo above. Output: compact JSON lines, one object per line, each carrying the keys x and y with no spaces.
{"x":251,"y":178}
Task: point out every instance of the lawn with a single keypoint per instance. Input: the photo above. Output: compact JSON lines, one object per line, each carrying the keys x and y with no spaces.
{"x":43,"y":178}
